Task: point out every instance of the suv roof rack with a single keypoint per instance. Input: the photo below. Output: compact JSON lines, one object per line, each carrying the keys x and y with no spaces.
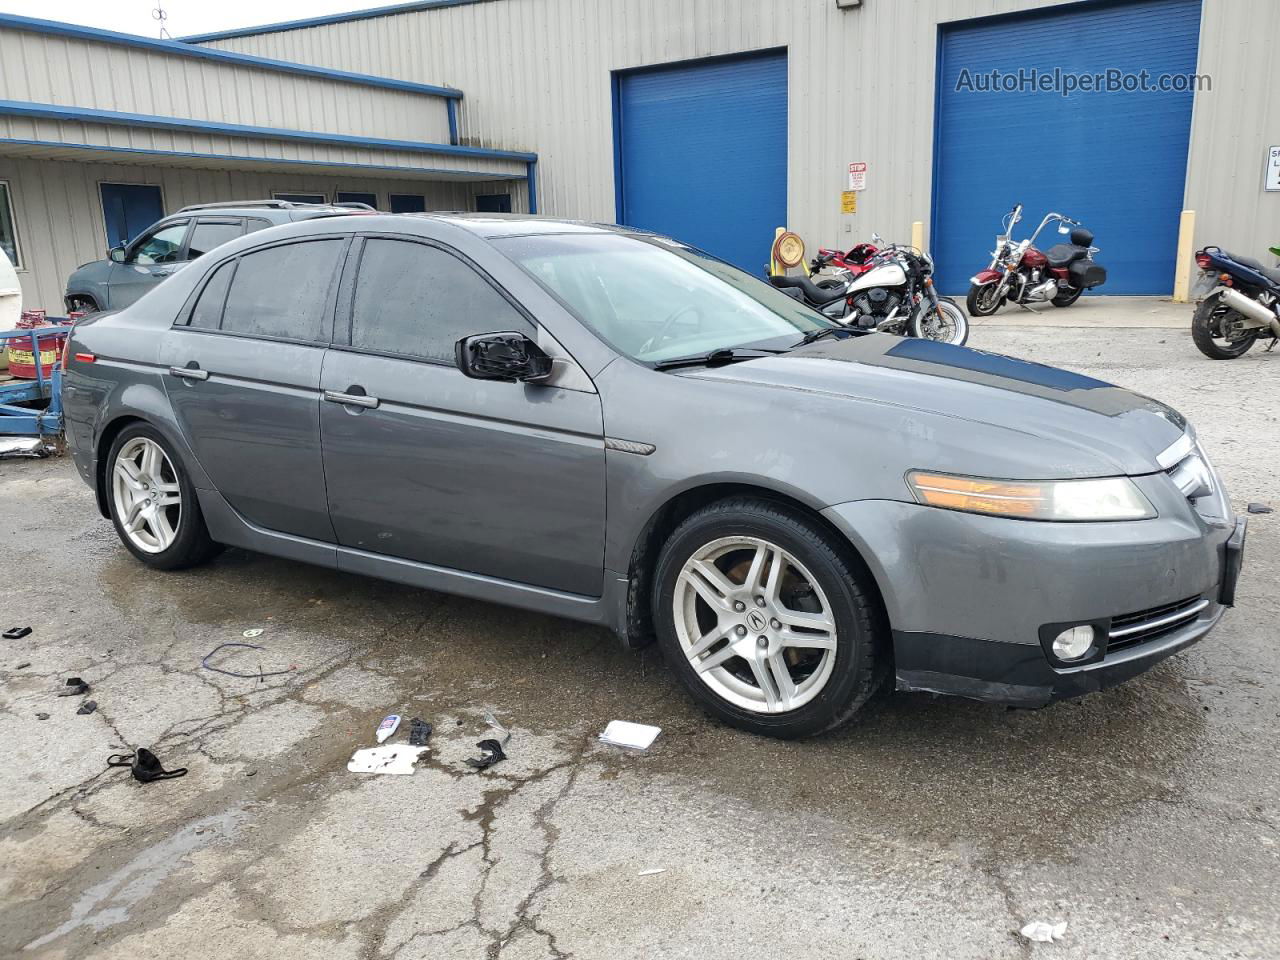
{"x":275,"y":204}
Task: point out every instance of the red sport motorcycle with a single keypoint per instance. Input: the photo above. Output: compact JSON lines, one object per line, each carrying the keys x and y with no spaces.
{"x":1022,"y":274}
{"x":857,"y":259}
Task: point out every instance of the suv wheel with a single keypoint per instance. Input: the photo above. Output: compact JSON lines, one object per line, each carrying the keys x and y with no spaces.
{"x":153,"y":504}
{"x":765,"y":621}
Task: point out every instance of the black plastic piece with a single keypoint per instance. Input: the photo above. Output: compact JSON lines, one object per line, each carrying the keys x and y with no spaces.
{"x":16,"y":633}
{"x":145,"y":766}
{"x":75,"y":688}
{"x":419,"y":732}
{"x":492,"y":753}
{"x":1232,"y":561}
{"x":87,"y":707}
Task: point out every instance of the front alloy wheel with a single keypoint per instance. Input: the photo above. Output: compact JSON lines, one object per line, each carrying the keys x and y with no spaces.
{"x":768,"y":618}
{"x":754,"y":624}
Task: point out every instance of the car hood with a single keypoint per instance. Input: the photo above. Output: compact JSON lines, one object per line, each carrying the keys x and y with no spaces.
{"x":1095,"y":428}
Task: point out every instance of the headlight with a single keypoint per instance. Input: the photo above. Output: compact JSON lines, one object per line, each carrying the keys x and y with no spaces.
{"x":1112,"y":498}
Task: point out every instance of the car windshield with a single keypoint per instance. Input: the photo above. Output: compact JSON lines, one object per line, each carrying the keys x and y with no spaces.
{"x":655,"y":299}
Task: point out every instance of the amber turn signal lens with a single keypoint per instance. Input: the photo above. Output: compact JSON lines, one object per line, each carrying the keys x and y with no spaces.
{"x":979,"y":496}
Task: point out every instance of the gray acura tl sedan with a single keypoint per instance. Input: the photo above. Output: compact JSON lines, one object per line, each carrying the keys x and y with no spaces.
{"x":611,"y":426}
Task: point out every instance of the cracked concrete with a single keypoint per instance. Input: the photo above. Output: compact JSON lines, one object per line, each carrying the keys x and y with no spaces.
{"x":1147,"y":817}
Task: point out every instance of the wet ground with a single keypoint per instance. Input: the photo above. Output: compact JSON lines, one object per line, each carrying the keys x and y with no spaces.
{"x":1147,"y":817}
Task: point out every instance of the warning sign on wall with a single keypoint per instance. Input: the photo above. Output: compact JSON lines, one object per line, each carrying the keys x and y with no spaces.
{"x":857,"y":176}
{"x":848,"y":201}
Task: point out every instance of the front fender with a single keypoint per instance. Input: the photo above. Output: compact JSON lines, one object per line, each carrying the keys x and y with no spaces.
{"x":983,"y":277}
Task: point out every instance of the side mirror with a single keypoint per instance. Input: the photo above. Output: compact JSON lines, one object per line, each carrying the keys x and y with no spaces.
{"x":502,"y":356}
{"x":116,"y":253}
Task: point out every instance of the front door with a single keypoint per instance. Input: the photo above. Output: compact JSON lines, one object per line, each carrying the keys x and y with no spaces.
{"x":501,"y":479}
{"x":148,"y":261}
{"x":244,"y":381}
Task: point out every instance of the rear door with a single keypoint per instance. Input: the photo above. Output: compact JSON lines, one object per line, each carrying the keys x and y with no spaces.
{"x":500,"y":479}
{"x":244,"y":381}
{"x":209,"y":233}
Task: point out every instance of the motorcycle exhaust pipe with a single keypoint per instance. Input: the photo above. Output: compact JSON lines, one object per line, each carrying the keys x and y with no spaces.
{"x":1252,"y":309}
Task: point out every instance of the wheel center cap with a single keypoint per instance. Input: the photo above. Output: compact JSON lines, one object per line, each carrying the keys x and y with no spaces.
{"x":756,"y":620}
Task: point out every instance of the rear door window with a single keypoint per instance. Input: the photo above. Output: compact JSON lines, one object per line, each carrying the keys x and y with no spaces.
{"x":207,"y":313}
{"x":284,"y":291}
{"x":208,"y":234}
{"x":418,"y":301}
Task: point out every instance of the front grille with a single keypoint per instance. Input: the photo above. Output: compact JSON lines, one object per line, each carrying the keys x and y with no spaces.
{"x":1134,"y":628}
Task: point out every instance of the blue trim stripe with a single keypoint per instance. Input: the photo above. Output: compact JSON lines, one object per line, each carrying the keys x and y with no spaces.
{"x":179,"y":48}
{"x":531,"y":178}
{"x":452,"y":106}
{"x":180,"y":154}
{"x":388,"y":11}
{"x":51,"y":111}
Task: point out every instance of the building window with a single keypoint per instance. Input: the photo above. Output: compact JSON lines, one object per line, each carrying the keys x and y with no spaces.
{"x":407,"y":202}
{"x":301,"y":197}
{"x":8,"y":229}
{"x":348,"y":196}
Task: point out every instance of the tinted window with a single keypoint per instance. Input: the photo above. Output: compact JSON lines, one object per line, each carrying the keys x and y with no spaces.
{"x":208,"y":309}
{"x":208,"y":235}
{"x":254,"y":224}
{"x":407,"y":203}
{"x":282,"y":291}
{"x":417,"y":300}
{"x":163,"y":246}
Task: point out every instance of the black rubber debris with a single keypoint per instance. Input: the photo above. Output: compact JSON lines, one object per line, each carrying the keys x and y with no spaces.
{"x":42,"y":716}
{"x":87,"y":707}
{"x":16,"y":633}
{"x":419,"y":732}
{"x":75,"y":687}
{"x":145,"y":766}
{"x":1253,"y":508}
{"x":491,"y":753}
{"x":23,"y":666}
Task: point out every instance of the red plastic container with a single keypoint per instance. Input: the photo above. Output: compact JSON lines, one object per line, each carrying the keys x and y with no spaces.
{"x":22,"y":362}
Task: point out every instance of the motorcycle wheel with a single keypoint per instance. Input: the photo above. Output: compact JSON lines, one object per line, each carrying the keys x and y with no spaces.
{"x":951,"y":327}
{"x":1068,"y":298}
{"x":982,"y":300}
{"x":1206,"y":331}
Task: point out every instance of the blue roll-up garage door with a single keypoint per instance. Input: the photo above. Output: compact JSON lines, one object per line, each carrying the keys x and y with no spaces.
{"x":702,"y":153}
{"x":1114,"y":160}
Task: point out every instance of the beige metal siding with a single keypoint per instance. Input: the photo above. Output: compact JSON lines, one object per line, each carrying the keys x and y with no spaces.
{"x":58,"y":209}
{"x":861,"y":87}
{"x":43,"y":68}
{"x":1232,"y":127}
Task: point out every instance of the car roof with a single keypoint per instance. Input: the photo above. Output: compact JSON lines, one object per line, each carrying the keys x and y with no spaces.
{"x":493,"y":225}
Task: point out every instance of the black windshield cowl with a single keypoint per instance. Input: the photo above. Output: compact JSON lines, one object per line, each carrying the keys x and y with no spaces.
{"x":815,"y":335}
{"x":716,"y":358}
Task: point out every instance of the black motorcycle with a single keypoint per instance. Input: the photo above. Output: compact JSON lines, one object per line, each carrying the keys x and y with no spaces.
{"x":894,"y":295}
{"x":1241,"y":303}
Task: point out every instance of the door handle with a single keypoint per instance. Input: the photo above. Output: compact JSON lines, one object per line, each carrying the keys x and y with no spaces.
{"x":189,"y":373}
{"x":352,"y":399}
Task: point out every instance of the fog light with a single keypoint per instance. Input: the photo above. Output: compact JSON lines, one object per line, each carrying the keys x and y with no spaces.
{"x":1073,"y":643}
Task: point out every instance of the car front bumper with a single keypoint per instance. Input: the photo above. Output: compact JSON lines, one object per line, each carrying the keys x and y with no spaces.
{"x":969,"y":597}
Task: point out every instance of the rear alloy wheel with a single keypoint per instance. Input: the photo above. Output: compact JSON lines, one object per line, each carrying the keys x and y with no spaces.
{"x":764,"y":619}
{"x":152,"y":503}
{"x":1218,"y":331}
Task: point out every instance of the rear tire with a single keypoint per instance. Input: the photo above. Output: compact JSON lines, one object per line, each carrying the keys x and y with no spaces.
{"x":83,"y":305}
{"x":1206,"y":331}
{"x":1068,"y":298}
{"x":786,"y":655}
{"x":153,"y":503}
{"x":982,"y":301}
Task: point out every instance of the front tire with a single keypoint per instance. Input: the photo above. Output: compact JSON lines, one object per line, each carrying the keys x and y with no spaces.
{"x":765,"y":619}
{"x":1207,"y":330}
{"x":951,"y":327}
{"x":982,"y":300}
{"x":152,"y":502}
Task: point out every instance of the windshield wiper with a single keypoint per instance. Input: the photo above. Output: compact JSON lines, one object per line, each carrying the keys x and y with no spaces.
{"x":815,"y":335}
{"x":715,"y":358}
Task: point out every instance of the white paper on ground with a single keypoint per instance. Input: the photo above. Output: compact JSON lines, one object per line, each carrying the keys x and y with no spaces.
{"x":650,"y":873}
{"x":396,"y":759}
{"x":624,"y":733}
{"x":1042,"y":932}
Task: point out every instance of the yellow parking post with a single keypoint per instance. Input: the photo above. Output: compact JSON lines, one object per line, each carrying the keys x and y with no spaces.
{"x":773,"y":263}
{"x":1182,"y":268}
{"x":917,"y":235}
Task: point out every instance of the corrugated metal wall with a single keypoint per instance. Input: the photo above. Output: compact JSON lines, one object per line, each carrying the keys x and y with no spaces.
{"x":59,"y":213}
{"x":536,"y":76}
{"x":43,"y":68}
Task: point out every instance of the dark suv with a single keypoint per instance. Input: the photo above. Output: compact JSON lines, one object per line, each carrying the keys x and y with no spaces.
{"x":131,"y":269}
